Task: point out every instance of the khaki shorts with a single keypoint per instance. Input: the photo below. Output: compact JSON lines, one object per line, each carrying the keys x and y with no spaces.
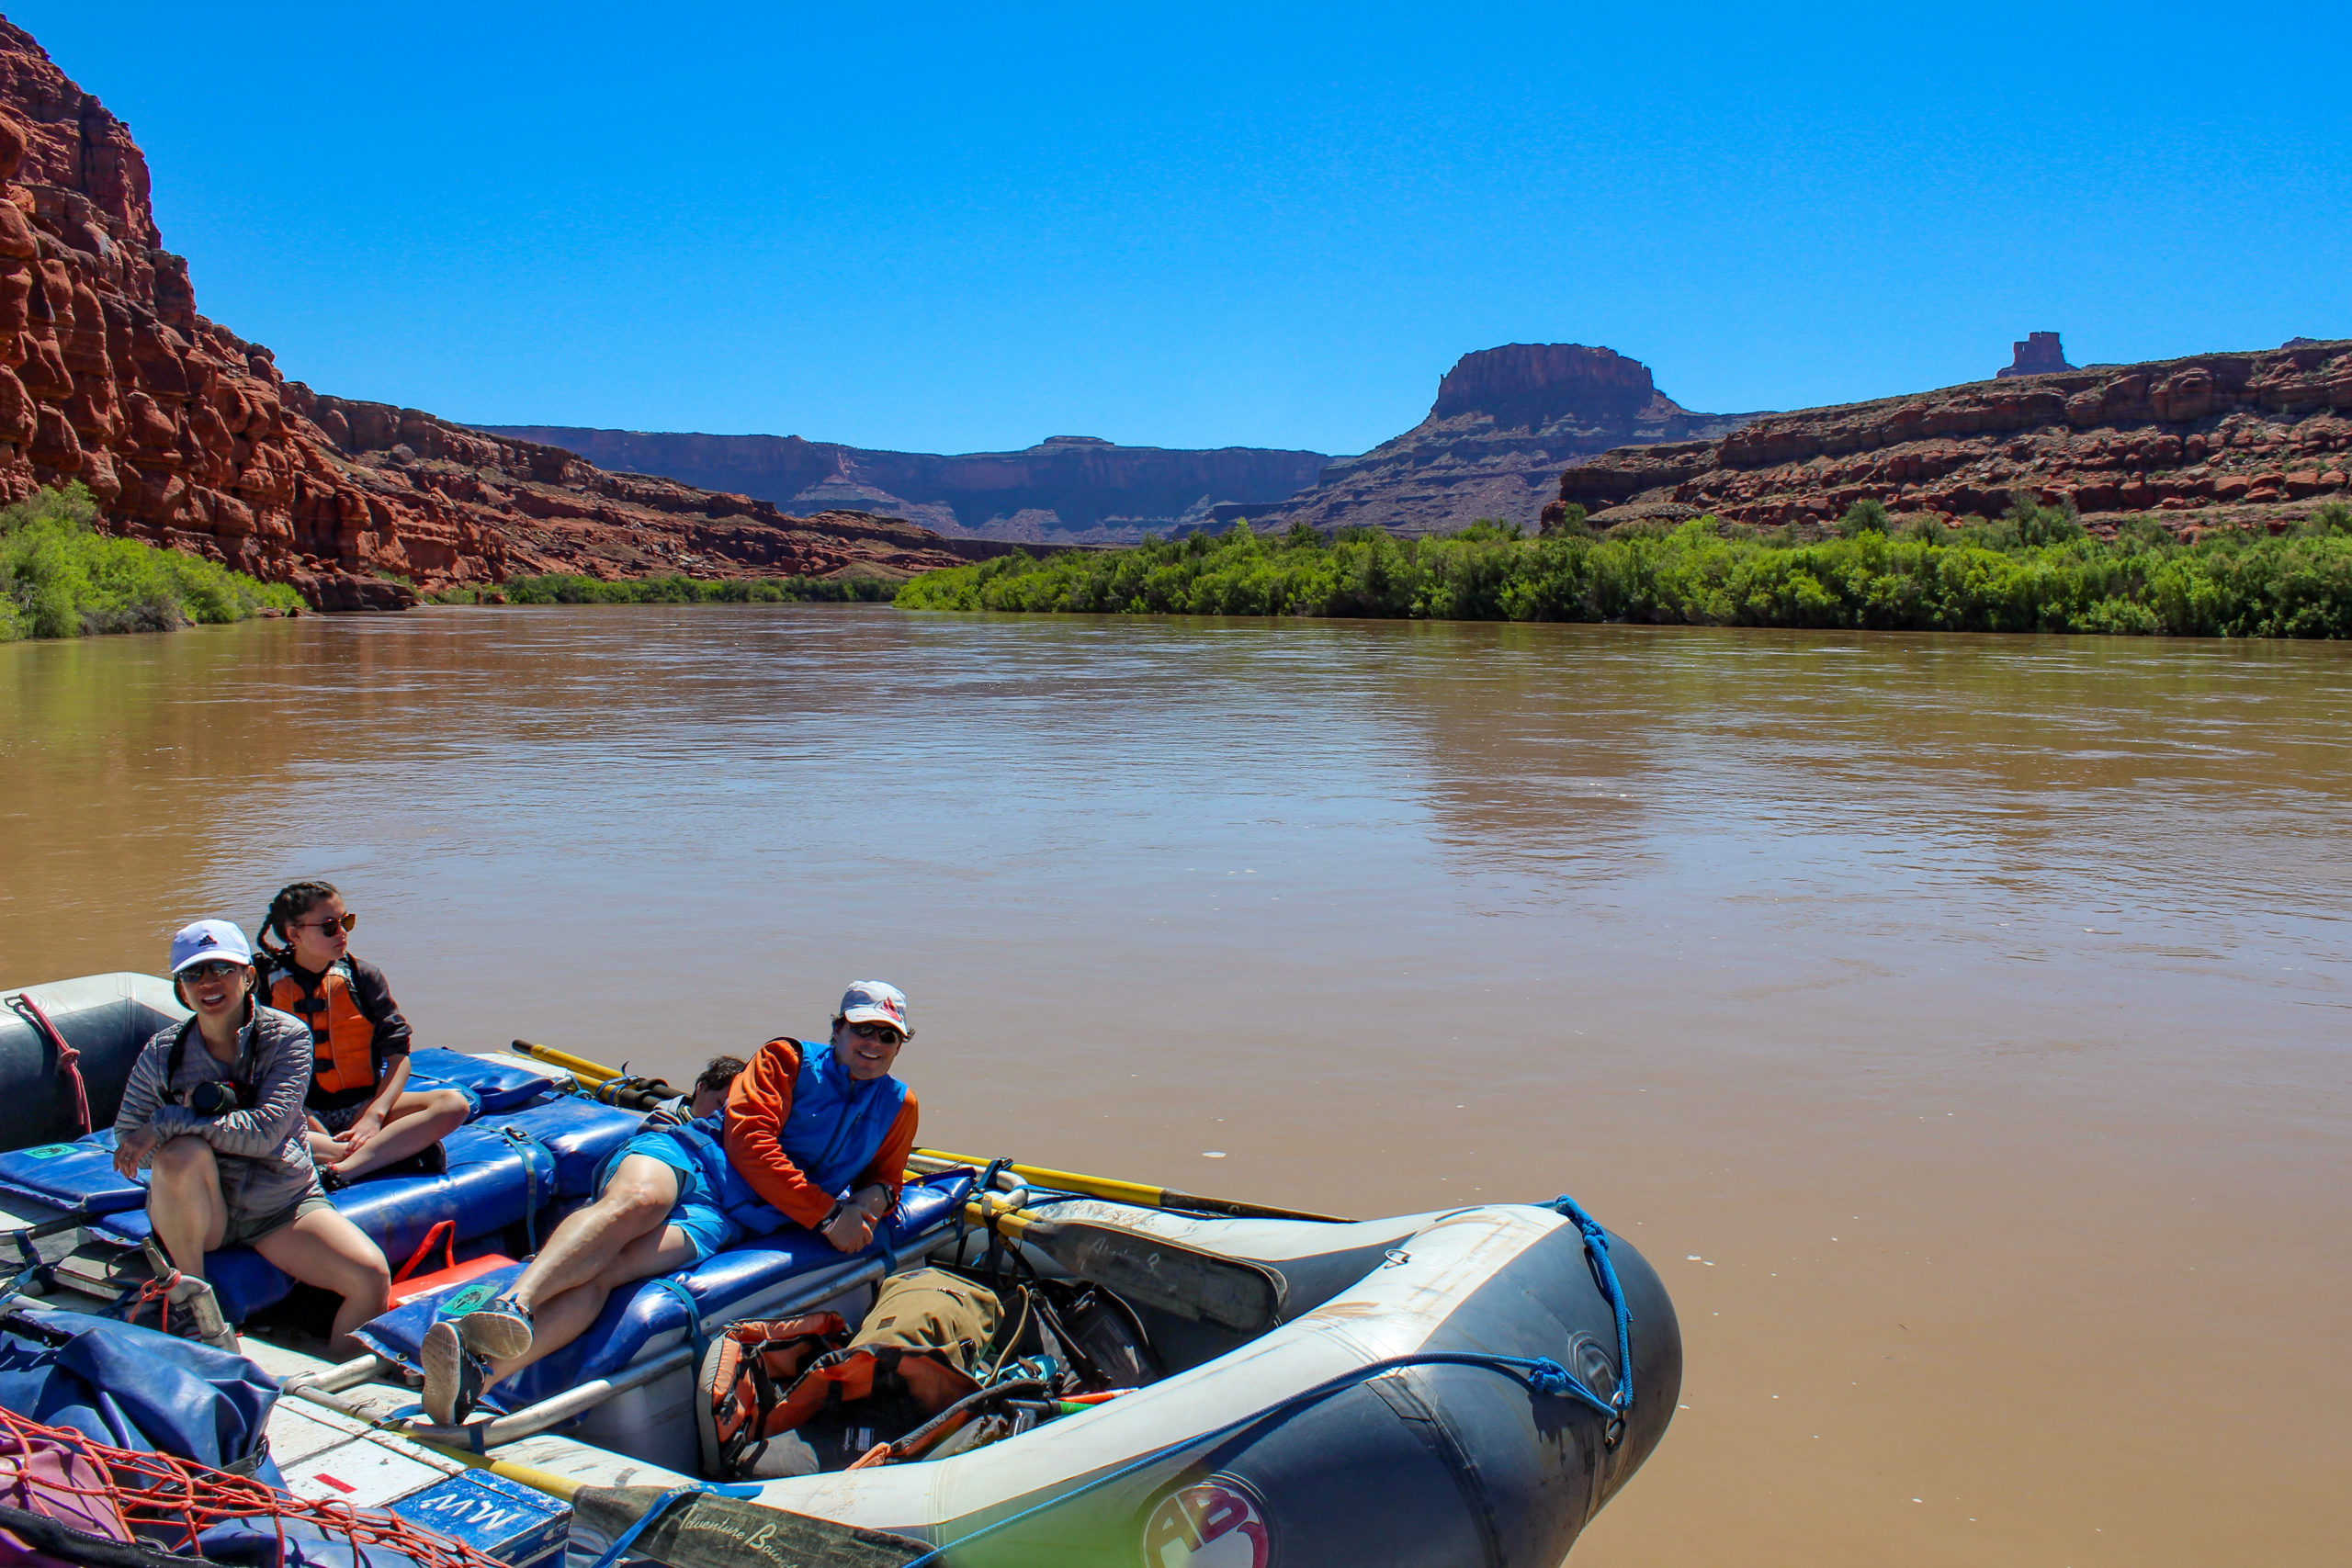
{"x":245,"y":1229}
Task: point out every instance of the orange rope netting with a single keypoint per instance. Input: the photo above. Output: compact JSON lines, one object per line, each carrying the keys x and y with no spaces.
{"x":171,"y":1502}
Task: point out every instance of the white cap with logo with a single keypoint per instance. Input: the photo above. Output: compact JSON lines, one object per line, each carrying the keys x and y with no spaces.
{"x":877,"y":1001}
{"x":209,"y":942}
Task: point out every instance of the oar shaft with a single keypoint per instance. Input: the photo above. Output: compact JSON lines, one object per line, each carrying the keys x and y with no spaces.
{"x":580,"y":1065}
{"x":1136,"y":1192}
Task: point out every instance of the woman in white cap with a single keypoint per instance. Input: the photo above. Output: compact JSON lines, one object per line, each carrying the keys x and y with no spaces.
{"x":214,"y":1108}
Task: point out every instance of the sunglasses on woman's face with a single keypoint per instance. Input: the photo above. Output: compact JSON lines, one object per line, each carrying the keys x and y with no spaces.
{"x":881,"y":1032}
{"x":323,"y":926}
{"x":217,"y":971}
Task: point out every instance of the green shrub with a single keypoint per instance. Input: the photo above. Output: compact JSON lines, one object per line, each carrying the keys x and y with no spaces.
{"x":60,"y":577}
{"x":1569,"y":524}
{"x":1983,"y":577}
{"x":1865,"y":516}
{"x":568,"y":588}
{"x":2331,"y":518}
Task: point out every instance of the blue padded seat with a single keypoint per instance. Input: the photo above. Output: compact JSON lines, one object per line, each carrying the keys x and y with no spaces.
{"x":647,"y":1317}
{"x":493,"y":1181}
{"x":78,"y":1176}
{"x":495,"y":1084}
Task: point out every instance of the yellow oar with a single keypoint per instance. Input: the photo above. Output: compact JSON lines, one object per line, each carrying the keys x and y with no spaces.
{"x":1141,"y":1194}
{"x":641,"y":1094}
{"x":1136,"y":1192}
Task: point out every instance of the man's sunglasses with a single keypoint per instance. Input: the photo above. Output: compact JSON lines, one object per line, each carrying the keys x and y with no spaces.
{"x":322,"y":927}
{"x":881,"y":1032}
{"x":220,"y":970}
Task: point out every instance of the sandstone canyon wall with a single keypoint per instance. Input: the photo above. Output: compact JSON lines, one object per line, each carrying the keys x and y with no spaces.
{"x":1066,"y":489}
{"x":1504,"y":422}
{"x":2251,"y":439}
{"x":190,"y":436}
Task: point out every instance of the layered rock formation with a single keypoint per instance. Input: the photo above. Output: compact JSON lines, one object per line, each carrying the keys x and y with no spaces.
{"x":1504,"y":421}
{"x":190,"y":436}
{"x":2250,"y":439}
{"x":1066,"y":489}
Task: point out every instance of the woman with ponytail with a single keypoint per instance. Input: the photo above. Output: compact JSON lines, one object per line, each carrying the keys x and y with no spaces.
{"x":362,"y":1115}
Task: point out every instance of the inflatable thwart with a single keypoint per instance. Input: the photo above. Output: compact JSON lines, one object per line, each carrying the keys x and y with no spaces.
{"x":1466,"y":1386}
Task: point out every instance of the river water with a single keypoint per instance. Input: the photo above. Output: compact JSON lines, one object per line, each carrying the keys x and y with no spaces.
{"x":1959,"y":1024}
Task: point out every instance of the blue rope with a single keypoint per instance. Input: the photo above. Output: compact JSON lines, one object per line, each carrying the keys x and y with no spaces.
{"x":1596,"y":1248}
{"x":524,"y":1141}
{"x":694,"y":1330}
{"x":1541,"y":1375}
{"x":622,"y":1542}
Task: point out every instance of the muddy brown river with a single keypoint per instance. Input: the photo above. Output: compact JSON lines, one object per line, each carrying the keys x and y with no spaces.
{"x":1959,"y":1024}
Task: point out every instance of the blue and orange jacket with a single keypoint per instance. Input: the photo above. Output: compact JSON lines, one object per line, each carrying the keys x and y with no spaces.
{"x":758,"y":1122}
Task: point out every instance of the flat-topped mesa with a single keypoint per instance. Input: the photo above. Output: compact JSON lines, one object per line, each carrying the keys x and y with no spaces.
{"x":2039,"y":354}
{"x":1528,"y":384}
{"x":190,"y":436}
{"x":1504,"y":422}
{"x":2257,"y":438}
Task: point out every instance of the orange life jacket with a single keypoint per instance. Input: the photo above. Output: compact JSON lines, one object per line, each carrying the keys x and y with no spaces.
{"x":343,"y":1039}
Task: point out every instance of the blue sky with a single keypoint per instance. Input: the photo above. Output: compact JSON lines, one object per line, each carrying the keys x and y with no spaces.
{"x":968,"y":227}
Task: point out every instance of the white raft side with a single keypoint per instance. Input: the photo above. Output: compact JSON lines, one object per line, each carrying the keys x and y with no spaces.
{"x":1392,"y":1311}
{"x":97,"y":990}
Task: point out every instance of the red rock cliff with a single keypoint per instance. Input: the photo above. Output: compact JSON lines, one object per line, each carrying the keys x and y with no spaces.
{"x":190,"y":436}
{"x":2253,"y":438}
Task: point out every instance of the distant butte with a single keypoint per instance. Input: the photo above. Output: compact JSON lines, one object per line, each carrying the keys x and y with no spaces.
{"x":2039,"y":354}
{"x":1503,"y":423}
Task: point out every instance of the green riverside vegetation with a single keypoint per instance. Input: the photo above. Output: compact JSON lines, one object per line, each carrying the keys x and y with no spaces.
{"x":565,"y":588}
{"x":60,"y":577}
{"x":2035,"y":570}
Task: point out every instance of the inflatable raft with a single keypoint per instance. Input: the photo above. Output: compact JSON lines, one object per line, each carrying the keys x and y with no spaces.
{"x":1463,"y":1386}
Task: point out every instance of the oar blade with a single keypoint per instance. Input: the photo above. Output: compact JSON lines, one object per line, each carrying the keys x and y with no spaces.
{"x":1200,"y":1287}
{"x":704,"y":1531}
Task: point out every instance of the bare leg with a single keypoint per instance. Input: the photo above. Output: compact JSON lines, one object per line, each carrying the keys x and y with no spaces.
{"x":565,"y":1315}
{"x":183,"y":1201}
{"x":633,"y":1209}
{"x":322,"y":1248}
{"x":418,"y":1121}
{"x":636,"y":1202}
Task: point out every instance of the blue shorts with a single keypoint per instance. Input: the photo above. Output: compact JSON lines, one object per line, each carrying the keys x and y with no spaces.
{"x":696,"y":1212}
{"x":701,"y":1166}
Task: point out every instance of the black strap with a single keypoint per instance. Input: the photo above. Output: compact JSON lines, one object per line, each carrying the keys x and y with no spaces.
{"x":173,"y":1096}
{"x":60,"y":1540}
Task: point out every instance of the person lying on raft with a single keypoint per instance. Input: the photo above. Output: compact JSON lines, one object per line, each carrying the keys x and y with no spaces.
{"x":810,"y":1134}
{"x":363,"y":1115}
{"x":708,"y":1094}
{"x":214,"y":1108}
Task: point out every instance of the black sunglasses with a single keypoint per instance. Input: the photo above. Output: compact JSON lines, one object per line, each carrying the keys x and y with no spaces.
{"x":219,"y":969}
{"x":322,"y":927}
{"x":881,"y":1032}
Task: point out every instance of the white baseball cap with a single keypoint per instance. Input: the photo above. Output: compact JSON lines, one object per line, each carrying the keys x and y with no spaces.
{"x":877,"y":1001}
{"x":209,"y":942}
